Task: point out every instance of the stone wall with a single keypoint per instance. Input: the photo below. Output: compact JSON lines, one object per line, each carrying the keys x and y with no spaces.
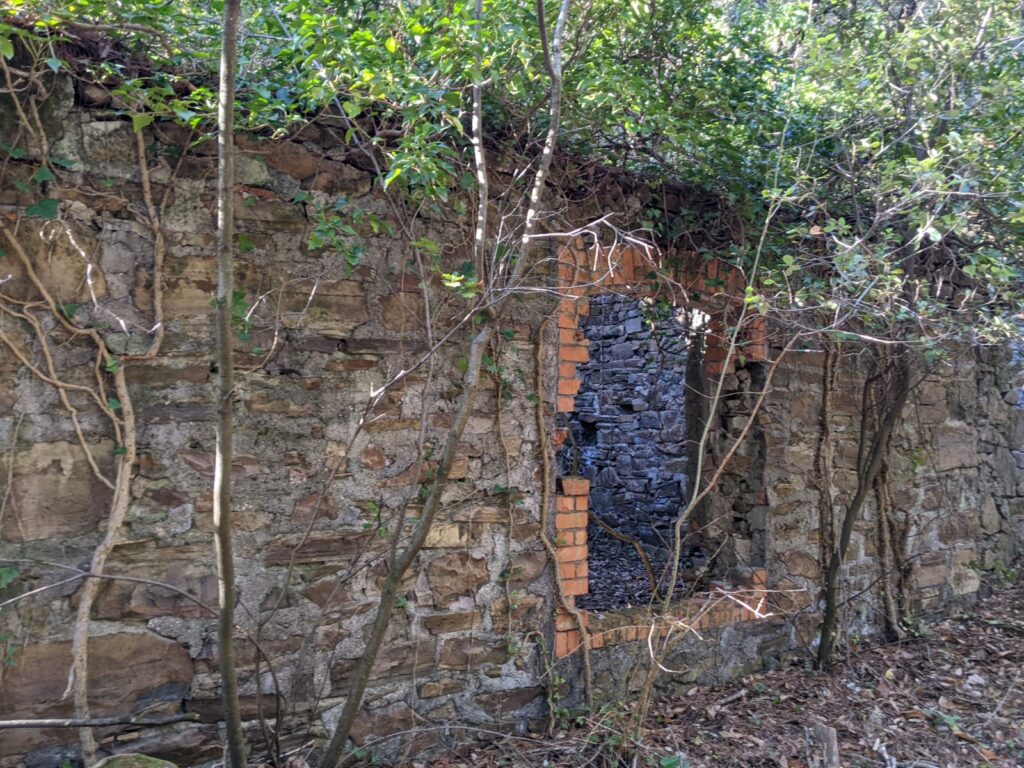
{"x":325,"y":459}
{"x":629,"y":426}
{"x":325,"y":466}
{"x":953,"y":488}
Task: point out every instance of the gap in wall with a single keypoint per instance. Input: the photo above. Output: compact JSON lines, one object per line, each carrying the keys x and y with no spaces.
{"x":629,"y":436}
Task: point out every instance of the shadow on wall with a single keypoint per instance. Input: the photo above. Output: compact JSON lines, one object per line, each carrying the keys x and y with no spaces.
{"x":628,"y":436}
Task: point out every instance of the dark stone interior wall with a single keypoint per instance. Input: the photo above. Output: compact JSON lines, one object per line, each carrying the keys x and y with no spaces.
{"x":629,"y":427}
{"x":629,"y":436}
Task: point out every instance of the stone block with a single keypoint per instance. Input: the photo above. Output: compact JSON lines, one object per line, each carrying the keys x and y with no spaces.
{"x":132,"y":600}
{"x":502,"y":703}
{"x":402,"y":312}
{"x":55,"y":493}
{"x":373,"y":458}
{"x":291,"y":158}
{"x":796,"y":563}
{"x":525,"y":568}
{"x":447,"y":623}
{"x":443,"y":687}
{"x":966,"y":577}
{"x":329,"y":308}
{"x":525,"y":612}
{"x":443,"y":535}
{"x":318,"y":547}
{"x":955,"y":447}
{"x":315,"y":506}
{"x":375,"y":723}
{"x":456,"y":575}
{"x":401,"y":659}
{"x":931,"y":574}
{"x":467,"y":652}
{"x":189,"y":286}
{"x":989,"y":517}
{"x":127,"y":672}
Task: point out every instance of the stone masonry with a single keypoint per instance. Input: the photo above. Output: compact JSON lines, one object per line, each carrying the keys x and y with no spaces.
{"x":629,"y":426}
{"x":326,"y":461}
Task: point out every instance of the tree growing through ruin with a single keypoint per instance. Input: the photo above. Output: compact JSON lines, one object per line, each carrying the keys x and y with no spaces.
{"x":874,"y":212}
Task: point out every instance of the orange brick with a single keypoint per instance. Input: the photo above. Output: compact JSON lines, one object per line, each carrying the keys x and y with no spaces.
{"x":567,"y":320}
{"x":582,"y":571}
{"x":567,"y":335}
{"x":575,"y":486}
{"x":560,"y":436}
{"x":572,"y":639}
{"x":597,"y":641}
{"x":566,"y":404}
{"x":561,"y":644}
{"x":574,"y":353}
{"x":579,"y":537}
{"x":575,"y":587}
{"x":564,"y":504}
{"x":582,"y":503}
{"x":567,"y":370}
{"x":568,"y":386}
{"x":567,"y":570}
{"x":571,"y":553}
{"x":583,"y":307}
{"x":569,"y":521}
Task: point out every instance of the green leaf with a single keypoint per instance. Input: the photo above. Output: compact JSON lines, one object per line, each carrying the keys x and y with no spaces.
{"x":141,"y":121}
{"x":44,"y":209}
{"x":508,"y":334}
{"x":114,"y":404}
{"x":69,"y":309}
{"x":352,"y":109}
{"x":427,"y":245}
{"x":394,"y":174}
{"x":7,"y":576}
{"x":54,"y":63}
{"x":245,"y":243}
{"x":6,"y":48}
{"x":63,"y":162}
{"x":43,"y":174}
{"x":113,"y":365}
{"x":120,"y":451}
{"x":391,"y":45}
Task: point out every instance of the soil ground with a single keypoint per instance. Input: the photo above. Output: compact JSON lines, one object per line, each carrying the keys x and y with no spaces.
{"x":951,"y":696}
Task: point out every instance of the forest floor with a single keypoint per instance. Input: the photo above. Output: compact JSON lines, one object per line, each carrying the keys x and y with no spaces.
{"x":951,"y":696}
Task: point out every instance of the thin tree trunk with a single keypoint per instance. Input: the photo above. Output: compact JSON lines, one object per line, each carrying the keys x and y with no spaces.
{"x":868,"y":471}
{"x":399,"y":563}
{"x":225,"y":386}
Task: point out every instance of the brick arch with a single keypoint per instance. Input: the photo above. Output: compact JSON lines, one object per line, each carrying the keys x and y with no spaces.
{"x":715,"y":288}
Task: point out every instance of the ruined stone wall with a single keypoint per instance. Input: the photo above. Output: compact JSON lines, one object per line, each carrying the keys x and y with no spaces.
{"x":324,"y":466}
{"x":953,"y":489}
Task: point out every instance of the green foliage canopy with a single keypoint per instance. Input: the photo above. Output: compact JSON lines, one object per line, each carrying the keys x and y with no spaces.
{"x":868,"y":157}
